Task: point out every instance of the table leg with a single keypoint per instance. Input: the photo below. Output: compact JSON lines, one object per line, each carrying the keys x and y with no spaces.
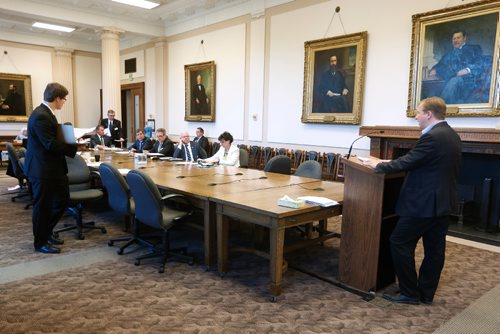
{"x":209,"y":233}
{"x":222,"y":243}
{"x":276,"y":242}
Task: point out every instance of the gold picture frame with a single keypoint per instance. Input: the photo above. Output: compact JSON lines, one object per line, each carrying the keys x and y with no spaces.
{"x":334,"y":72}
{"x":454,"y":55}
{"x":15,"y":105}
{"x":200,"y":92}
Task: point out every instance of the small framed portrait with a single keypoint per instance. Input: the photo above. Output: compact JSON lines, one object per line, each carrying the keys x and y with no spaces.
{"x":200,"y":92}
{"x":454,"y":55}
{"x":334,"y":71}
{"x":15,"y":97}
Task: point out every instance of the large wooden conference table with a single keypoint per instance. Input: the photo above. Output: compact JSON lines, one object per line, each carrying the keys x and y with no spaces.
{"x":249,"y":195}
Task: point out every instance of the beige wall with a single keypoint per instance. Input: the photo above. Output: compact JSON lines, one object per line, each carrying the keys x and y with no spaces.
{"x":260,"y":73}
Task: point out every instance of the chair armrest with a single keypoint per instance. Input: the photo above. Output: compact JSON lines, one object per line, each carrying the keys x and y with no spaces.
{"x":175,"y":197}
{"x":95,"y":179}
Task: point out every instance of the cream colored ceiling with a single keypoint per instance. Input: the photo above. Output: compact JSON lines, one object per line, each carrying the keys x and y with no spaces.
{"x":139,"y":25}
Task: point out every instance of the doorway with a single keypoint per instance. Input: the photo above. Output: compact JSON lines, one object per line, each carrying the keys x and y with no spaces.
{"x":133,"y":109}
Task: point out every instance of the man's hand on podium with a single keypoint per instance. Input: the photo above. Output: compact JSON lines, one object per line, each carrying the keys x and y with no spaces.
{"x":371,"y":162}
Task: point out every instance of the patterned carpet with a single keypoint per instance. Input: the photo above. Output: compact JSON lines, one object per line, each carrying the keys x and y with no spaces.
{"x":114,"y":296}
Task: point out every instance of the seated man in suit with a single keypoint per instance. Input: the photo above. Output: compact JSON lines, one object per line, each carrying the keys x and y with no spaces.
{"x":142,"y":143}
{"x":100,"y":140}
{"x":188,"y":151}
{"x":163,"y":145}
{"x":200,"y":139}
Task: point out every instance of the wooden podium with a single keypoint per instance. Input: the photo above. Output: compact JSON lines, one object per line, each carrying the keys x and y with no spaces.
{"x":368,"y":219}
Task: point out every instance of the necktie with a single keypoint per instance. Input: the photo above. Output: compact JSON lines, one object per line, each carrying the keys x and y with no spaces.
{"x":110,"y":124}
{"x":102,"y":141}
{"x":188,"y":154}
{"x":140,"y":145}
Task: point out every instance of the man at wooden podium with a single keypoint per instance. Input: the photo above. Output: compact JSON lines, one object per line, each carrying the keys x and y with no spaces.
{"x":427,"y":197}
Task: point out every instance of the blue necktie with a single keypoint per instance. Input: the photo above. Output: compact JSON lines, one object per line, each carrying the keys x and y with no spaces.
{"x":140,"y":145}
{"x":188,"y":154}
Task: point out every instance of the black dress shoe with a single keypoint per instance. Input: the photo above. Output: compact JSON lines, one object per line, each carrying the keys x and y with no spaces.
{"x":401,"y":299}
{"x":48,"y":249}
{"x":55,"y":241}
{"x":425,"y":301}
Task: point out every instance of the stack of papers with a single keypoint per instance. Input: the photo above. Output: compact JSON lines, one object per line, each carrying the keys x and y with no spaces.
{"x":316,"y":200}
{"x":123,"y":171}
{"x":171,"y":159}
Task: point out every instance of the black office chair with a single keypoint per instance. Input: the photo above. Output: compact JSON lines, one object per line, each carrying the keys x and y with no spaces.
{"x":81,"y":191}
{"x":151,"y":210}
{"x":15,"y":158}
{"x":279,"y":164}
{"x":243,"y":158}
{"x":310,"y":168}
{"x":203,"y":153}
{"x":119,"y":199}
{"x":215,"y":147}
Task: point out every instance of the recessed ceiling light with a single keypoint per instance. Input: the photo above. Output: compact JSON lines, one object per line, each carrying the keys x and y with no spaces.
{"x":139,"y":3}
{"x":52,"y":27}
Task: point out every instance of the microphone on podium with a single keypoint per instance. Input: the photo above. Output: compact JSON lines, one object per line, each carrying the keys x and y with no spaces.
{"x":355,"y":140}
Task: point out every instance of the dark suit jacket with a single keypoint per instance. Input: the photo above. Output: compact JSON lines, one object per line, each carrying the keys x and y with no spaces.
{"x":94,"y":141}
{"x":181,"y":153}
{"x":429,"y":188}
{"x":202,"y":142}
{"x":167,"y":148}
{"x":45,"y":158}
{"x":116,"y":129}
{"x":147,"y":144}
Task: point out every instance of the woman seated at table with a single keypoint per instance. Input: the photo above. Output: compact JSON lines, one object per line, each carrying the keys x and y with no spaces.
{"x":228,"y":154}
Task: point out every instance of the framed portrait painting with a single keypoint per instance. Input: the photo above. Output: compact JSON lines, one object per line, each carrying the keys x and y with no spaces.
{"x":200,"y":92}
{"x":454,"y":55}
{"x":334,"y":70}
{"x":15,"y":97}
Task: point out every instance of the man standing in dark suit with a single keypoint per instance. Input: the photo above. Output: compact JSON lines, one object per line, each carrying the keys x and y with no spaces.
{"x":426,"y":199}
{"x":142,"y":142}
{"x":200,"y":139}
{"x":100,"y":140}
{"x":163,"y":145}
{"x":187,"y":151}
{"x":45,"y":166}
{"x":113,"y":125}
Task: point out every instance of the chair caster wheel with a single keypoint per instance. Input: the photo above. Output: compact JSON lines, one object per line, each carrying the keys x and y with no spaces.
{"x":119,"y":252}
{"x":137,"y":262}
{"x":103,"y":230}
{"x":110,"y":243}
{"x":161,"y":271}
{"x":274,"y":299}
{"x":81,"y":236}
{"x":221,"y":275}
{"x":191,"y":262}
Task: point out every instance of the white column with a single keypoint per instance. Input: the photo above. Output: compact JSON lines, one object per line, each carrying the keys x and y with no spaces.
{"x":110,"y":47}
{"x":160,"y":83}
{"x":62,"y":72}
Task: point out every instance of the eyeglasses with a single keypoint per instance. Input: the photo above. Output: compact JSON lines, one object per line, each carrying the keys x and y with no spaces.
{"x":64,"y":99}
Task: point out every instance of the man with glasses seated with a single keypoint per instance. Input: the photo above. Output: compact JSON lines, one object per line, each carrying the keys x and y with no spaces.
{"x":188,"y":151}
{"x":163,"y":145}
